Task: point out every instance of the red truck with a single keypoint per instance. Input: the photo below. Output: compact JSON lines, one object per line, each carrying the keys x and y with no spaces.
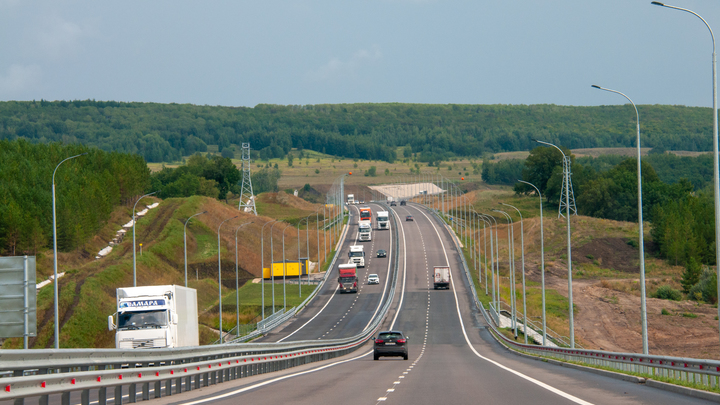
{"x":348,"y":278}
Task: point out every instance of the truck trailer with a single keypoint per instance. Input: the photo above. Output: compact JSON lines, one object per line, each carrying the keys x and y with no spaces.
{"x":347,"y":280}
{"x":292,"y":268}
{"x":441,"y":277}
{"x":155,"y":317}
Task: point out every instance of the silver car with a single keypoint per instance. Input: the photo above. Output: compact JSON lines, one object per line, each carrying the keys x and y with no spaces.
{"x":373,"y":279}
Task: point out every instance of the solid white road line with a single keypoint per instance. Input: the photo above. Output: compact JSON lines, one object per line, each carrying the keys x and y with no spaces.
{"x":467,"y":339}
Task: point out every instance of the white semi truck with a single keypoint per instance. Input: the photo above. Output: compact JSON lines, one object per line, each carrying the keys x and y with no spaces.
{"x":357,"y":255}
{"x":364,"y":230}
{"x":351,"y":199}
{"x":155,"y":317}
{"x":383,"y":221}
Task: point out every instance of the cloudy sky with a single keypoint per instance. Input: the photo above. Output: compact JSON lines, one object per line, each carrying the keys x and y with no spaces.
{"x":242,"y":53}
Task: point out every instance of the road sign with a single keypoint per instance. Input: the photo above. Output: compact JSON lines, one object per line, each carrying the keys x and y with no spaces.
{"x":18,"y":298}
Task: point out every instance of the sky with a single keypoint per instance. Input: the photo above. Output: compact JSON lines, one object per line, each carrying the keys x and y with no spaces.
{"x":244,"y":53}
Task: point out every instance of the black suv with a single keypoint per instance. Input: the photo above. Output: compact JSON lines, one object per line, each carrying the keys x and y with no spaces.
{"x":390,"y":343}
{"x":402,"y":202}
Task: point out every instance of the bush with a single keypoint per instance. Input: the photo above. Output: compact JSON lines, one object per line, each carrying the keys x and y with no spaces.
{"x":666,"y":292}
{"x":664,"y":312}
{"x":706,"y":288}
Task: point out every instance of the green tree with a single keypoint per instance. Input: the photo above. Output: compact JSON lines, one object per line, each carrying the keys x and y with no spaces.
{"x":290,"y":159}
{"x":691,"y":275}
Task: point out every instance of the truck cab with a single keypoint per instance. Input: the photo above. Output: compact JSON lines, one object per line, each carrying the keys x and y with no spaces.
{"x":383,"y":221}
{"x":350,"y":199}
{"x":155,"y":317}
{"x":364,"y":230}
{"x":347,"y":280}
{"x":357,"y":255}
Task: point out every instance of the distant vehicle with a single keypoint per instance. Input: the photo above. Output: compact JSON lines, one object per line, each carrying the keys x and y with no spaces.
{"x":357,"y":255}
{"x":390,"y":343}
{"x":403,"y":202}
{"x":383,"y":221}
{"x":364,"y":230}
{"x":347,"y":279}
{"x":365,"y":214}
{"x":152,"y":317}
{"x":441,"y":277}
{"x":382,"y":253}
{"x":409,"y":218}
{"x":373,"y":279}
{"x":393,"y":204}
{"x":351,"y":199}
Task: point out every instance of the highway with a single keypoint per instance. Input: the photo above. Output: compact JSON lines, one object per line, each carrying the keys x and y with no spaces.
{"x":332,"y":314}
{"x":452,"y":357}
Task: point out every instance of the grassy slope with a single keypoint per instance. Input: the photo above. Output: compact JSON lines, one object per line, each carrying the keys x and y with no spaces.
{"x":87,"y":292}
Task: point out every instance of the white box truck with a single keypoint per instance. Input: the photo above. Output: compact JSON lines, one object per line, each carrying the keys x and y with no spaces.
{"x":155,"y":317}
{"x":357,"y":255}
{"x":441,"y":277}
{"x":383,"y":221}
{"x":364,"y":230}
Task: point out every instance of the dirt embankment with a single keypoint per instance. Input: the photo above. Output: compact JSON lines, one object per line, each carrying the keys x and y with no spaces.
{"x":607,"y":313}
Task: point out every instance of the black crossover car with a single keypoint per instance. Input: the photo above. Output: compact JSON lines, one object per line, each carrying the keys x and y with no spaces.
{"x":390,"y":343}
{"x":402,"y":202}
{"x":382,"y":253}
{"x":409,"y":218}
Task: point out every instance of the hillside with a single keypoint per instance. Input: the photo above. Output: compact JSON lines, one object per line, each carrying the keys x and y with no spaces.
{"x":87,"y":291}
{"x":606,"y":292}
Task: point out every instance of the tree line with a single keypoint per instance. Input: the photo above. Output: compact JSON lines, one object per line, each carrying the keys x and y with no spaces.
{"x":88,"y":188}
{"x":166,"y":132}
{"x":213,"y":176}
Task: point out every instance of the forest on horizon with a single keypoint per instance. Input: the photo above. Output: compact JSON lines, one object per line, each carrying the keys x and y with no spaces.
{"x":434,"y":132}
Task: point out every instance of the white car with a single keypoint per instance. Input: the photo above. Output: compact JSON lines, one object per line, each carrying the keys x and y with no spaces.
{"x":373,"y":279}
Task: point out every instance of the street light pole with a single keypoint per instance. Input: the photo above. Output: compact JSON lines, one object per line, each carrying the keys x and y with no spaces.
{"x":220,"y":279}
{"x":571,"y":319}
{"x":55,"y":254}
{"x":134,"y":255}
{"x":185,"y":241}
{"x":237,"y":286}
{"x":272,"y":265}
{"x":522,"y":250}
{"x":716,"y":162}
{"x":643,"y":307}
{"x":262,"y":264}
{"x":284,"y":268}
{"x":542,"y":261}
{"x":511,"y":258}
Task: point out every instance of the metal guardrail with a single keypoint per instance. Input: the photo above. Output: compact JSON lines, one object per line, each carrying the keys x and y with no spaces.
{"x":699,"y":371}
{"x":170,"y":371}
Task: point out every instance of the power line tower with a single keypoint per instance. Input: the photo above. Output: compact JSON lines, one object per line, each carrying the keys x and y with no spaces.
{"x":247,"y":198}
{"x":567,"y":190}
